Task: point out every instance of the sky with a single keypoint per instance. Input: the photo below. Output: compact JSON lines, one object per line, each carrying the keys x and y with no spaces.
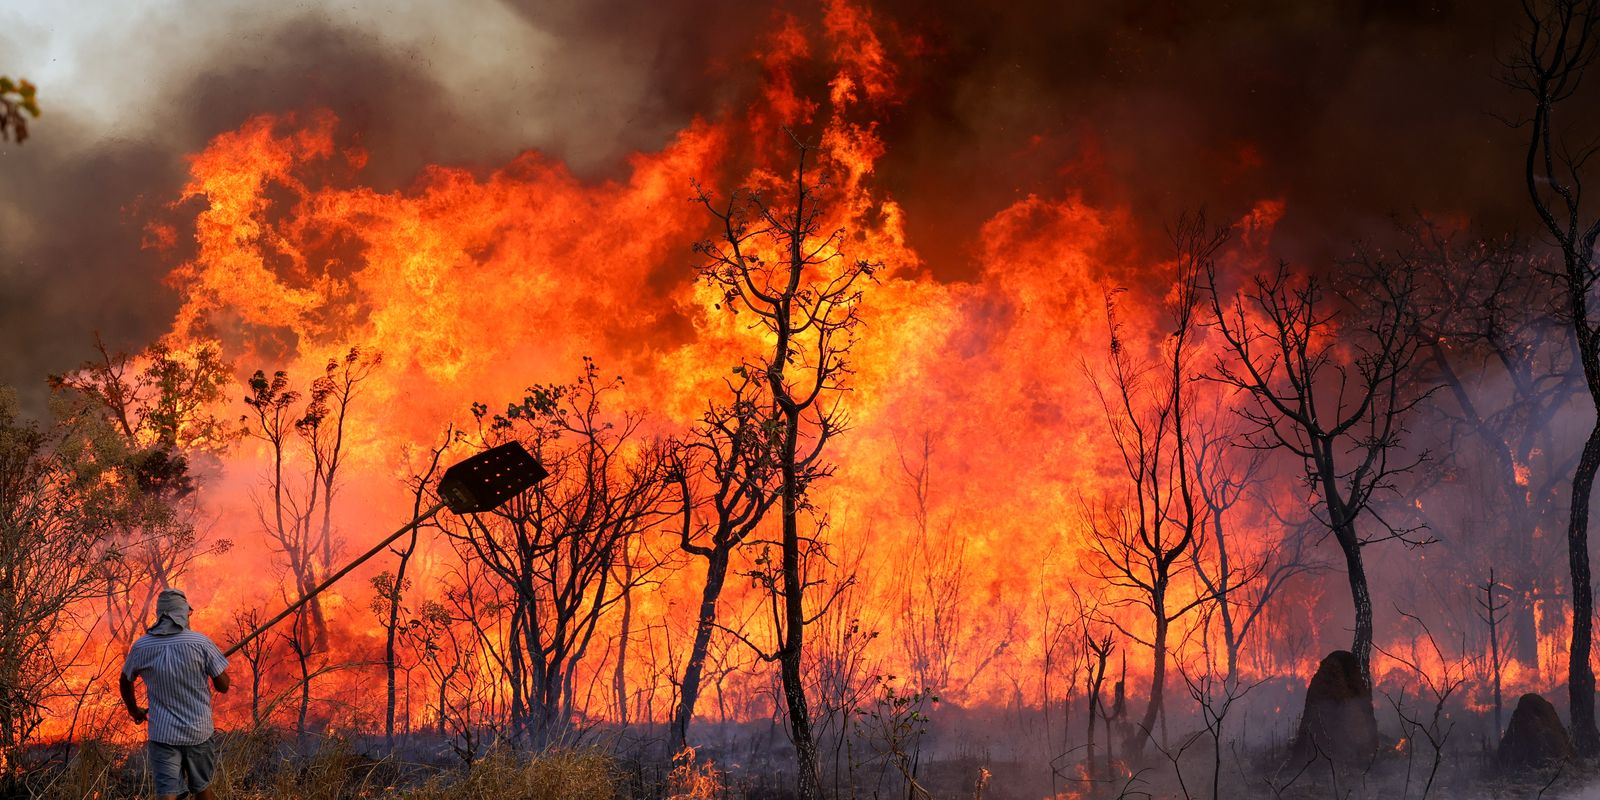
{"x":1351,"y":112}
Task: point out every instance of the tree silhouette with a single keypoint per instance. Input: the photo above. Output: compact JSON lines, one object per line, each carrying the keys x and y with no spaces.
{"x":773,"y":257}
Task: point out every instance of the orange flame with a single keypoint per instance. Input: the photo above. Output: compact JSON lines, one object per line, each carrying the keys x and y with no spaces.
{"x":475,"y":286}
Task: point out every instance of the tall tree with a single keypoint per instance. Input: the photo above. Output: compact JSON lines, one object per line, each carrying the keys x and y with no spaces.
{"x":1552,"y":56}
{"x":1330,"y":382}
{"x":1144,"y":544}
{"x":1494,"y":340}
{"x":774,"y":256}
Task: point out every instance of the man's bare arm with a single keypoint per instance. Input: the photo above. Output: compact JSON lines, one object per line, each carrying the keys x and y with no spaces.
{"x":221,"y":682}
{"x":130,"y":701}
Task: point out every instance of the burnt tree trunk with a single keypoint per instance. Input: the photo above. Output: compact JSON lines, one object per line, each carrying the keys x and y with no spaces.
{"x":1361,"y":597}
{"x":794,"y":620}
{"x":1230,"y":634}
{"x":1344,"y":530}
{"x":390,"y":629}
{"x":1580,"y":673}
{"x":806,"y":301}
{"x":1558,"y":45}
{"x":716,"y":574}
{"x":391,"y":633}
{"x":620,"y":678}
{"x":1134,"y":747}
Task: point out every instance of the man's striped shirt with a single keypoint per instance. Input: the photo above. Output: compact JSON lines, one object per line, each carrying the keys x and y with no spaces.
{"x":177,"y":669}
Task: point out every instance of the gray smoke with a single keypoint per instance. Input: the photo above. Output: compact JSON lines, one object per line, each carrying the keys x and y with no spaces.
{"x":1347,"y":112}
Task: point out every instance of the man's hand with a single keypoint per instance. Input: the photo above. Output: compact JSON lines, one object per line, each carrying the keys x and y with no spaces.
{"x":130,"y":702}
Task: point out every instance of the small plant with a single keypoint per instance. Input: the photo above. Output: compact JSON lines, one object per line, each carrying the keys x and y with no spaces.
{"x":893,"y":727}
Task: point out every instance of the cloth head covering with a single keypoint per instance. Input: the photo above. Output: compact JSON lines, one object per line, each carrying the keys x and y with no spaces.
{"x":172,"y":612}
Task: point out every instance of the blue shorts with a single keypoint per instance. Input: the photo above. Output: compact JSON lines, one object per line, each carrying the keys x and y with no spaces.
{"x":182,"y":767}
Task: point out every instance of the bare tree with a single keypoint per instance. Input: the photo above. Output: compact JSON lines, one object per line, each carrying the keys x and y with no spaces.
{"x":257,"y":655}
{"x":932,"y":576}
{"x":1063,"y":653}
{"x":1215,"y":697}
{"x":556,"y":548}
{"x":1554,"y":51}
{"x":467,"y":670}
{"x":1493,"y":615}
{"x":298,"y":638}
{"x":1145,"y":543}
{"x":1238,"y":585}
{"x":773,"y":257}
{"x":1494,"y":340}
{"x":1100,"y":646}
{"x":728,"y":478}
{"x":1344,"y":416}
{"x":1440,"y":679}
{"x":389,"y":586}
{"x":298,"y":514}
{"x":843,"y":669}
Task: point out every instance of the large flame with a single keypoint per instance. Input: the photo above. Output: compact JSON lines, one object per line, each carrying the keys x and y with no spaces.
{"x":475,"y":285}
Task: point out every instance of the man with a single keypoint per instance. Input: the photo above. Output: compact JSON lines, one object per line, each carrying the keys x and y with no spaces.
{"x":176,"y":664}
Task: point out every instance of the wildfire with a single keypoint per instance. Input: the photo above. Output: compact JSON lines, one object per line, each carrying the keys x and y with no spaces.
{"x":473,"y":286}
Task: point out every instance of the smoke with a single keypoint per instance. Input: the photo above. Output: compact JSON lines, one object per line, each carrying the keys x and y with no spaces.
{"x":474,"y":85}
{"x":1348,"y":112}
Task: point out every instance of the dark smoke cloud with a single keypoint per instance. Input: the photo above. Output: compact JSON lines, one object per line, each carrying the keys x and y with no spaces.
{"x":72,"y":217}
{"x":1348,"y":111}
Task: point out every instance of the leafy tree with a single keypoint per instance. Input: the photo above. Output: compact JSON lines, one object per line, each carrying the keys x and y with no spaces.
{"x":300,"y":520}
{"x":18,"y":102}
{"x":156,"y":411}
{"x":60,"y":508}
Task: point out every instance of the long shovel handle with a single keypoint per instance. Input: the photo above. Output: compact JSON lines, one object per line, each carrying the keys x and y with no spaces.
{"x":407,"y":528}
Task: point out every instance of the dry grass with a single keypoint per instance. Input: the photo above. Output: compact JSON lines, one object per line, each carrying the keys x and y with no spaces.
{"x":91,"y":774}
{"x":252,"y":768}
{"x":556,"y":775}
